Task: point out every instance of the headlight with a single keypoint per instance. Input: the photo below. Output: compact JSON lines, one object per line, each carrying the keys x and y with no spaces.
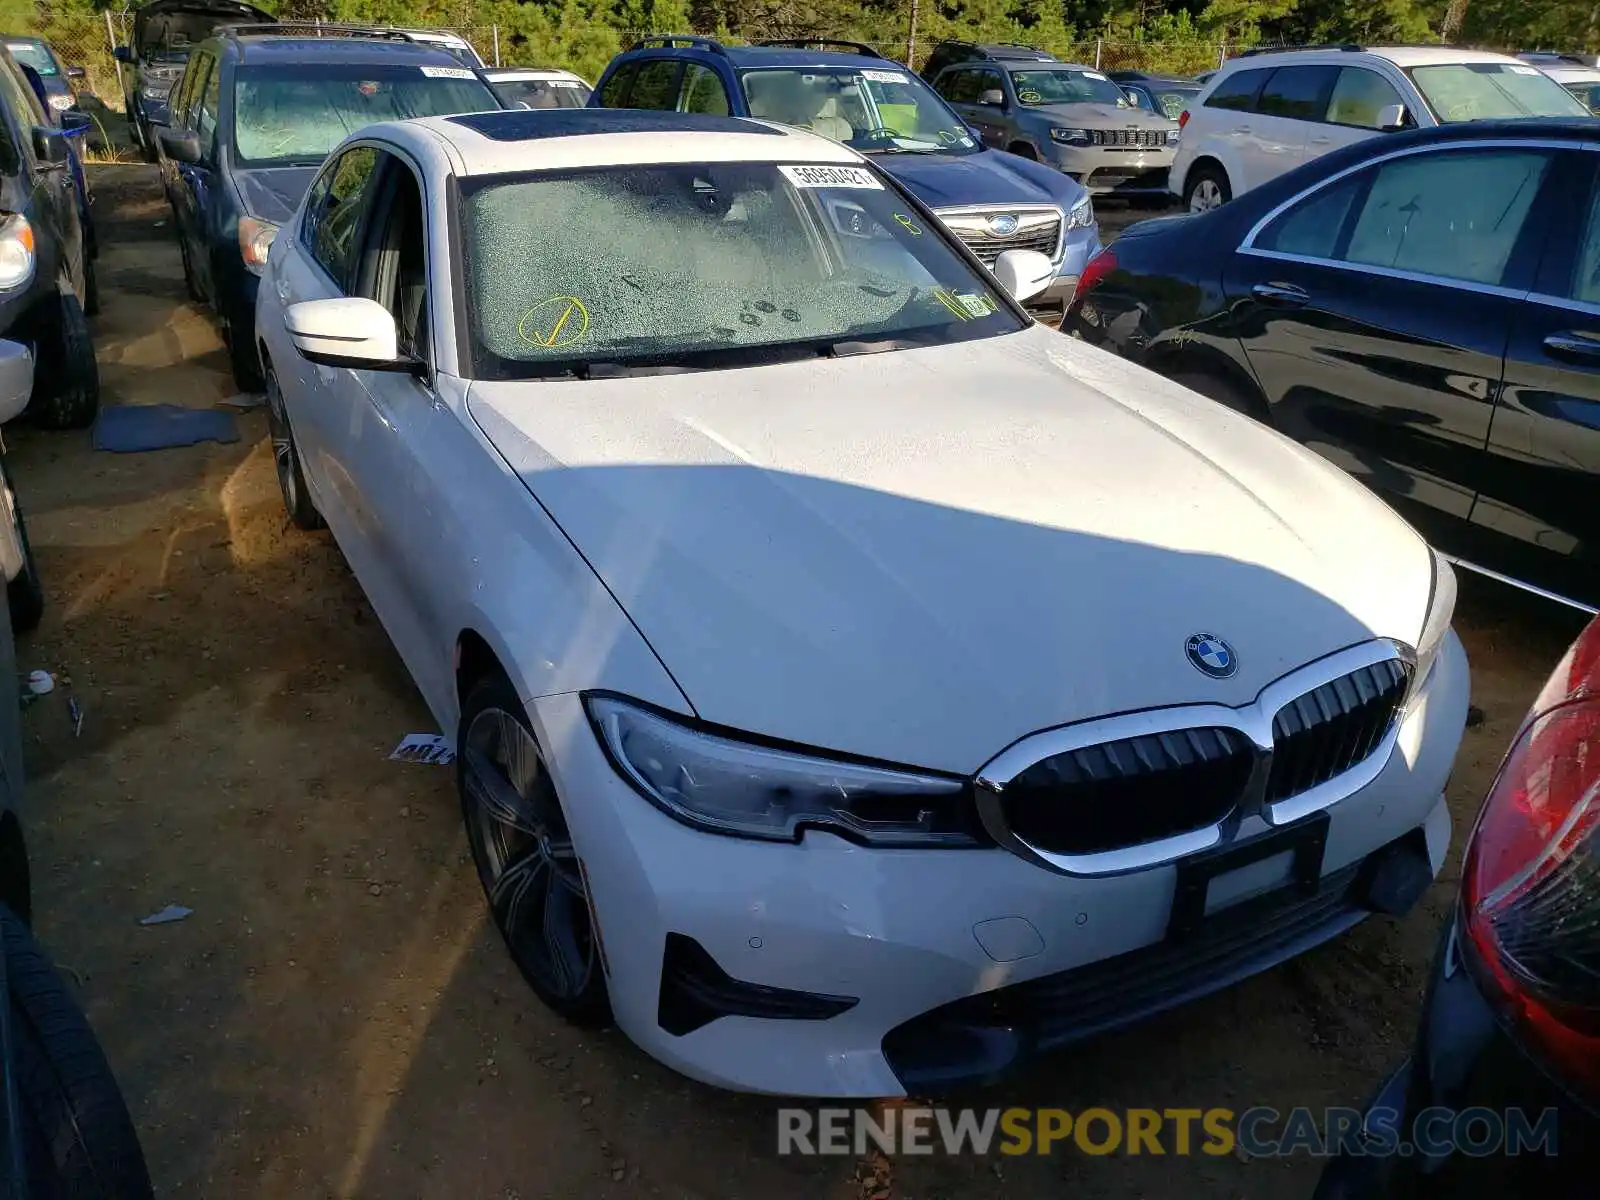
{"x":158,"y":93}
{"x":1174,"y":136}
{"x":255,"y":240}
{"x":1070,"y":137}
{"x":1082,"y":214}
{"x":724,"y":785}
{"x":16,"y":253}
{"x":60,"y":103}
{"x":1441,"y":607}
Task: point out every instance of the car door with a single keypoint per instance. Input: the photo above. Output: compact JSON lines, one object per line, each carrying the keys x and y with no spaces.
{"x":192,"y":182}
{"x":991,"y":120}
{"x":1536,"y":509}
{"x":1351,"y":115}
{"x":959,"y":87}
{"x":1291,"y":99}
{"x":1373,"y":310}
{"x":1225,"y":127}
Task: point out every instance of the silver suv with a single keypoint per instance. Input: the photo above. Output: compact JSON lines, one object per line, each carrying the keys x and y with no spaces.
{"x":1070,"y":116}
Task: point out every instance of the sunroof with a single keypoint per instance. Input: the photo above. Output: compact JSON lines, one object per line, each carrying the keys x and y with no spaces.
{"x":528,"y":124}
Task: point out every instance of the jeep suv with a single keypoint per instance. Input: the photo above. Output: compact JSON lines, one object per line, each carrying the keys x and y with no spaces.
{"x":1268,"y":111}
{"x":1072,"y":117}
{"x":847,"y":91}
{"x":256,"y":112}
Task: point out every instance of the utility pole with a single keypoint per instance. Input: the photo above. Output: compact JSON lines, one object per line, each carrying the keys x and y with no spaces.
{"x":1455,"y":16}
{"x":911,"y":39}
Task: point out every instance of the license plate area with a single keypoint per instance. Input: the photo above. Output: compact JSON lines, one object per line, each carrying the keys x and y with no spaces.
{"x":1302,"y":844}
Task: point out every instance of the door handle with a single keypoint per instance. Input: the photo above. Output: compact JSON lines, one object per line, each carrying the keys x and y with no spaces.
{"x":1281,"y":295}
{"x":1573,"y":344}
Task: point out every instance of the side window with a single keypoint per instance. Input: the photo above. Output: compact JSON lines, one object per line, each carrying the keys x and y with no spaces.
{"x":316,"y":202}
{"x":1454,"y":214}
{"x":191,"y":104}
{"x":615,"y":91}
{"x":1299,"y":93}
{"x":339,"y":213}
{"x":989,"y":81}
{"x":178,"y":97}
{"x":703,"y":91}
{"x":206,"y":120}
{"x":395,"y":270}
{"x":954,"y":86}
{"x":14,"y":91}
{"x":1586,"y":278}
{"x":1312,"y":228}
{"x":657,"y":85}
{"x":1238,"y":91}
{"x":1358,"y":97}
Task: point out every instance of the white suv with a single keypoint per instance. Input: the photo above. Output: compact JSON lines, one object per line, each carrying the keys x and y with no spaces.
{"x":1267,"y":112}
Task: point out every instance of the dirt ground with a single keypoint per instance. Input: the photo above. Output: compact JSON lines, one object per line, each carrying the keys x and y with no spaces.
{"x":336,"y":1018}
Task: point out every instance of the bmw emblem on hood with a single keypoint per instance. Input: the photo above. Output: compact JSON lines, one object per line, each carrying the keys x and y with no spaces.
{"x":1002,"y":225}
{"x":1211,"y":655}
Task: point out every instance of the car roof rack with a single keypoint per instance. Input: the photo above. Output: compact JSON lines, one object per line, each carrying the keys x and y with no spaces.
{"x":998,"y":50}
{"x":327,"y":29}
{"x":671,"y":41}
{"x":1347,"y":47}
{"x":820,"y":43}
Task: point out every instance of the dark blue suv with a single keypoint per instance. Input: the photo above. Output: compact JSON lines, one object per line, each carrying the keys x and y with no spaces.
{"x":256,"y":112}
{"x":847,"y":91}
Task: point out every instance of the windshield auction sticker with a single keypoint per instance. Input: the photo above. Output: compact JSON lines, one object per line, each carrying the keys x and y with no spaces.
{"x":830,"y":177}
{"x":883,"y":76}
{"x":447,"y":72}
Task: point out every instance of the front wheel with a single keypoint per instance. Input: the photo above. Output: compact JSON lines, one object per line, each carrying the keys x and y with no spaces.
{"x":1207,"y":188}
{"x":286,"y":459}
{"x":66,"y":389}
{"x":525,"y":856}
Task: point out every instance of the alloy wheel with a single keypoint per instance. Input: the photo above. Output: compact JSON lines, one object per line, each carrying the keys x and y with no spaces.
{"x":283,"y":450}
{"x":1207,"y":195}
{"x":525,"y":856}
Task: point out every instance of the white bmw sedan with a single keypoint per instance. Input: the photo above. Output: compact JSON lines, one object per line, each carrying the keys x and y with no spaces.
{"x":858,"y":688}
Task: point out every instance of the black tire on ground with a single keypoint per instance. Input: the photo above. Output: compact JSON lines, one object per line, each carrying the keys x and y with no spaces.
{"x":297,"y":500}
{"x":1210,"y":184}
{"x":77,"y":1136}
{"x":531,"y":875}
{"x":1225,"y":393}
{"x":1023,"y":150}
{"x":243,"y":356}
{"x":66,"y":390}
{"x":24,"y":594}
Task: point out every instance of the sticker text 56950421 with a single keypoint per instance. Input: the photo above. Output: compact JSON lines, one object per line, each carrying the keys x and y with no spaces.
{"x":447,"y":72}
{"x":830,"y":177}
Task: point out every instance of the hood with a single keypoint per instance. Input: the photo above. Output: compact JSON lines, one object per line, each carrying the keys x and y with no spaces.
{"x":923,"y":555}
{"x":273,"y":193}
{"x":983,"y":177}
{"x":1102,"y":116}
{"x":191,"y":15}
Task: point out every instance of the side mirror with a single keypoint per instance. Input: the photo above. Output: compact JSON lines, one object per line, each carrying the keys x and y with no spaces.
{"x":1392,"y":117}
{"x":50,"y":146}
{"x":346,"y":332}
{"x":1024,"y":273}
{"x":180,"y":145}
{"x":16,"y":379}
{"x":122,"y":54}
{"x":992,"y":98}
{"x":75,"y":123}
{"x":76,"y":73}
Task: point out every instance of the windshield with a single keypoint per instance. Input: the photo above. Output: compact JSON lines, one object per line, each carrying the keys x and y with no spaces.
{"x":1171,"y":101}
{"x":541,"y":93}
{"x":1488,"y":91}
{"x":874,"y":111}
{"x":1066,"y":85}
{"x":32,"y":54}
{"x":298,"y":114}
{"x":704,"y":265}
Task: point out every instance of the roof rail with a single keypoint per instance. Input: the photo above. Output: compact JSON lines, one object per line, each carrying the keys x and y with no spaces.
{"x":325,"y":28}
{"x":1347,"y":47}
{"x":806,"y":43}
{"x":671,"y":41}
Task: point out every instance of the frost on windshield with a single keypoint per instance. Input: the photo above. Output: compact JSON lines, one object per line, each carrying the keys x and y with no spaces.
{"x":651,"y":261}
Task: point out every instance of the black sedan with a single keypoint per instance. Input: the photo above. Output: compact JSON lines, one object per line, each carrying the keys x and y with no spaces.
{"x":1421,"y":308}
{"x":1500,"y":1097}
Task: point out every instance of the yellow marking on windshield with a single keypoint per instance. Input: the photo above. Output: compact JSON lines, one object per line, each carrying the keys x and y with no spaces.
{"x":558,"y":321}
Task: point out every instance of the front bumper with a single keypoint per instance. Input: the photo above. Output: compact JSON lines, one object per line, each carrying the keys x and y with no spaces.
{"x":1078,"y":247}
{"x":16,"y":378}
{"x":900,"y":933}
{"x":1113,"y":171}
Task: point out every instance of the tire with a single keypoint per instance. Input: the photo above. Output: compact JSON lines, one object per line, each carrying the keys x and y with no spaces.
{"x":78,"y":1138}
{"x":91,"y":287}
{"x":1023,"y":150}
{"x":1225,"y":393}
{"x":243,"y":355}
{"x":1206,"y":188}
{"x":190,"y":284}
{"x":24,"y":594}
{"x":66,"y":391}
{"x":525,"y":856}
{"x":297,"y":500}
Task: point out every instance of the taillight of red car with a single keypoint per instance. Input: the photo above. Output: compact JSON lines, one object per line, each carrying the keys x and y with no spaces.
{"x":1530,"y":888}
